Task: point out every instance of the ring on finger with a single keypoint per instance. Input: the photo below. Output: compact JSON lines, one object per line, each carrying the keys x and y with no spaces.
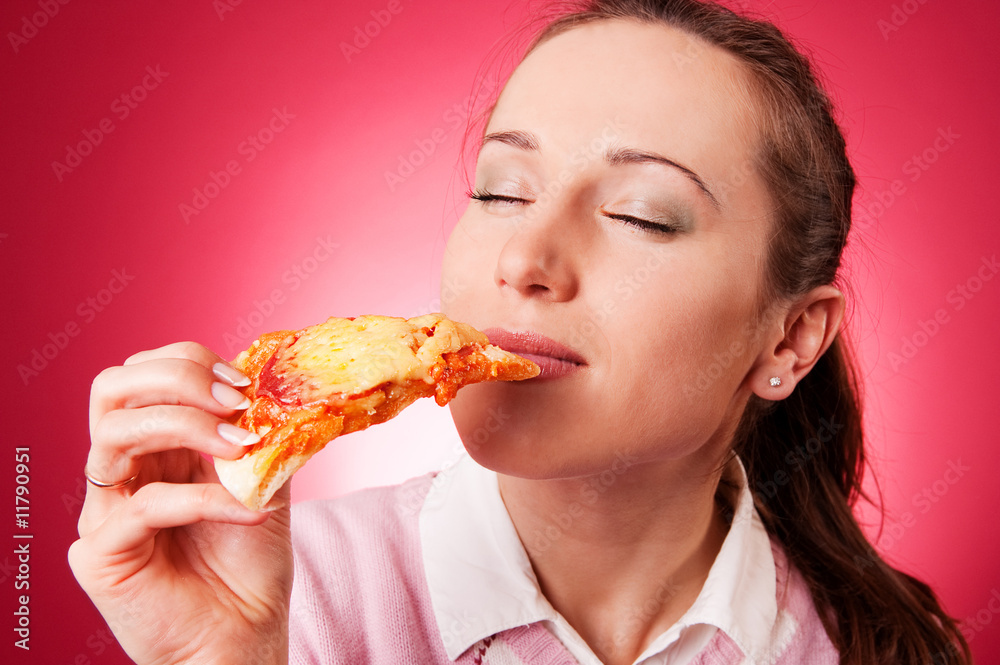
{"x":108,"y":486}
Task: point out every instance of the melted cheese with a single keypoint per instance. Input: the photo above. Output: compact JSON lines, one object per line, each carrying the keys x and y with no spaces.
{"x":351,"y":356}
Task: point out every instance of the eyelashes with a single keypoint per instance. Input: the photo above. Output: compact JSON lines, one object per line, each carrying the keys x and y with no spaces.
{"x":487,"y":198}
{"x":483,"y":196}
{"x":644,"y":224}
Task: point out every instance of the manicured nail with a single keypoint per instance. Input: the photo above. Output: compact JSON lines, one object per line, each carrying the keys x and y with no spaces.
{"x":230,"y":375}
{"x":229,"y":397}
{"x":236,"y":435}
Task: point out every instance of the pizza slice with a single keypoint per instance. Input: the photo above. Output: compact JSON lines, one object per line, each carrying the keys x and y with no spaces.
{"x":313,"y":385}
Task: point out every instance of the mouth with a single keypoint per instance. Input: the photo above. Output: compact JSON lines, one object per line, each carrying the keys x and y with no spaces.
{"x":554,"y":359}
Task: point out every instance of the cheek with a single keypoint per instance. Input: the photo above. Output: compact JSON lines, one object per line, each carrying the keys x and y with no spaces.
{"x":464,"y":272}
{"x":660,"y":385}
{"x":507,"y":428}
{"x":678,"y":353}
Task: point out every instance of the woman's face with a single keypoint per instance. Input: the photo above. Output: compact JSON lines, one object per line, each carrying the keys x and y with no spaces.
{"x":619,"y":217}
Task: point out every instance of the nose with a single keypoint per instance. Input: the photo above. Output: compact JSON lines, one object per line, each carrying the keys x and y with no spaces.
{"x":540,"y":259}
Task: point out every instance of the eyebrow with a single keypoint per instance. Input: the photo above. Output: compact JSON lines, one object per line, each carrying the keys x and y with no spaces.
{"x":613,"y":156}
{"x":517,"y":139}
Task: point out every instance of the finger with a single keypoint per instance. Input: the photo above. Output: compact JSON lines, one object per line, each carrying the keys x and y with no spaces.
{"x":123,"y":544}
{"x":163,"y":381}
{"x":191,"y":351}
{"x":197,"y":353}
{"x":183,"y":350}
{"x":132,"y":526}
{"x":148,"y":389}
{"x":132,"y":433}
{"x":123,"y":437}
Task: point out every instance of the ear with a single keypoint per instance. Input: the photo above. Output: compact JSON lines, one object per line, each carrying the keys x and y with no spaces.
{"x":807,"y":331}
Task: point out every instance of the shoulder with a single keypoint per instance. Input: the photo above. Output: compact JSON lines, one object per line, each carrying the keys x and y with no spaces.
{"x":359,"y":589}
{"x":359,"y":535}
{"x":799,"y":633}
{"x":361,"y":516}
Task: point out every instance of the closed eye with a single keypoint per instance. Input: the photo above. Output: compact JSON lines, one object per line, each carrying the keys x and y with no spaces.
{"x":644,"y":224}
{"x":483,"y":196}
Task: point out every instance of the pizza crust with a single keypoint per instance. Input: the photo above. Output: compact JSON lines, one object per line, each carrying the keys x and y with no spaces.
{"x":310,"y":386}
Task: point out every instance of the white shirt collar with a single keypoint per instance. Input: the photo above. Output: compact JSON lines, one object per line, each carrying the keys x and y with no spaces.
{"x":481,"y":581}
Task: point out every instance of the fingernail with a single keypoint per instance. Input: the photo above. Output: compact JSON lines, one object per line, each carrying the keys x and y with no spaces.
{"x":229,"y":397}
{"x":230,"y":375}
{"x":236,"y":435}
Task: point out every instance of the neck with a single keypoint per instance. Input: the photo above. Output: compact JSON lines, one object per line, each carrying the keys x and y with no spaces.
{"x":621,"y":555}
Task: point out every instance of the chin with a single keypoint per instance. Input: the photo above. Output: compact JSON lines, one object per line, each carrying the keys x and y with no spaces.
{"x":512,"y":431}
{"x":484,"y":424}
{"x":499,"y":430}
{"x":505,"y":458}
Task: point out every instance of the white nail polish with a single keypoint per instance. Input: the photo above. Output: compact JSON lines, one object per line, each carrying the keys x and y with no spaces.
{"x":236,"y":435}
{"x":230,"y":375}
{"x":229,"y":397}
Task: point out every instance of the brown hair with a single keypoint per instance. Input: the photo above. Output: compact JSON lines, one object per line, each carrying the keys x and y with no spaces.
{"x":805,"y":455}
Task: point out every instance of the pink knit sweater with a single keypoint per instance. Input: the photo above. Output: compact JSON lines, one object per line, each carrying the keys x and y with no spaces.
{"x":360,"y":595}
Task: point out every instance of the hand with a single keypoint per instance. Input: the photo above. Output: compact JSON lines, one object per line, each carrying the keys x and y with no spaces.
{"x":181,"y":571}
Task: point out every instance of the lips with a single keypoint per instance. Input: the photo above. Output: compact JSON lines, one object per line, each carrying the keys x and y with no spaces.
{"x":554,"y":359}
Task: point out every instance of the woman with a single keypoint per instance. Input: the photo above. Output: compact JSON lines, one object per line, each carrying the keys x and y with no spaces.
{"x":660,"y":205}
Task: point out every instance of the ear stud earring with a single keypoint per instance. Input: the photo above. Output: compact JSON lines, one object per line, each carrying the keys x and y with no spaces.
{"x":775,"y":381}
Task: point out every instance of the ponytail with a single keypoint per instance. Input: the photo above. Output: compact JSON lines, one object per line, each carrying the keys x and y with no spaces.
{"x":805,"y":460}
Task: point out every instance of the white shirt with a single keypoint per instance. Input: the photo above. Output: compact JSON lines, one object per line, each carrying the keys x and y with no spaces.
{"x":481,"y":581}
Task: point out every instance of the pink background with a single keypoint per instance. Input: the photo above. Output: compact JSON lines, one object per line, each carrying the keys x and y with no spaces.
{"x":230,"y":272}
